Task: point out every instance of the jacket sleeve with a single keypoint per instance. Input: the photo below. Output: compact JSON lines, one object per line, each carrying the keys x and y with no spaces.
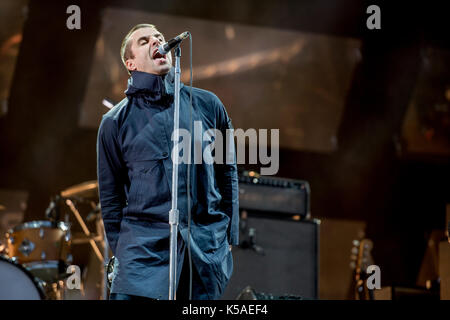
{"x":227,"y":175}
{"x":110,"y":172}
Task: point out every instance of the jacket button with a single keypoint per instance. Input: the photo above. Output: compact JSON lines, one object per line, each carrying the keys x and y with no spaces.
{"x":165,"y":154}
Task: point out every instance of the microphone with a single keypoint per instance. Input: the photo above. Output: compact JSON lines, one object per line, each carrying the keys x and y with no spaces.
{"x":172,"y":43}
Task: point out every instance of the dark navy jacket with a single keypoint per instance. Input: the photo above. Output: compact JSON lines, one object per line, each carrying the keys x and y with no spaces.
{"x":135,"y":173}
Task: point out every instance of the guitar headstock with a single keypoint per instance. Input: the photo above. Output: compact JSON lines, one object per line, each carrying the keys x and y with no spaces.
{"x":365,"y":251}
{"x":361,"y":258}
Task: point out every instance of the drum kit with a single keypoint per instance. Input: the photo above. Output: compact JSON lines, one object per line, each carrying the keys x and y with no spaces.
{"x":35,"y":260}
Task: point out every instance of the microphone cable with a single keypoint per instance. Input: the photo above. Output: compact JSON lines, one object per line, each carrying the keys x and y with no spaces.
{"x":188,"y":182}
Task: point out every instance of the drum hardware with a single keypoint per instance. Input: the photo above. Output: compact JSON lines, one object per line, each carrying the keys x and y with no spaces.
{"x":85,"y":229}
{"x":44,"y":271}
{"x":26,"y":247}
{"x":87,"y":192}
{"x":52,"y":212}
{"x":53,"y":290}
{"x":84,"y":190}
{"x":81,"y":238}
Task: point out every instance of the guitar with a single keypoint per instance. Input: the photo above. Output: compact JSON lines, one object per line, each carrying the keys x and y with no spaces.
{"x":361,"y":258}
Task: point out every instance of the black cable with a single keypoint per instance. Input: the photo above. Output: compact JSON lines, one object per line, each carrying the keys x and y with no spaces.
{"x":188,"y":183}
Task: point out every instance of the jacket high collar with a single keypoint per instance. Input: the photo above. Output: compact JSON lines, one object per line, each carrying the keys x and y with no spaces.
{"x":154,"y":87}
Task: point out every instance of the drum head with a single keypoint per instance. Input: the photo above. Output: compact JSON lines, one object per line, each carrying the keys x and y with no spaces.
{"x":16,"y":283}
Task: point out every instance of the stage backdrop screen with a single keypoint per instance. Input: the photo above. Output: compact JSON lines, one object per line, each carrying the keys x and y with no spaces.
{"x":267,"y":78}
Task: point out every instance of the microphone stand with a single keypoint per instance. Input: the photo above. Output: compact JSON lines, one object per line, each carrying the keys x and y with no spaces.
{"x":174,"y":212}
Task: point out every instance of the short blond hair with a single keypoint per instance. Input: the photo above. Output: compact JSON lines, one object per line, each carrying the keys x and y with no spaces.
{"x":125,"y":49}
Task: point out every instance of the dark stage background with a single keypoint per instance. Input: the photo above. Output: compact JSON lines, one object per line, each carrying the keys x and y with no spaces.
{"x":379,"y":172}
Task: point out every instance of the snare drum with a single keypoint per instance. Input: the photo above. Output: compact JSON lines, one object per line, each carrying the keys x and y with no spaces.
{"x":41,"y":246}
{"x":17,"y":283}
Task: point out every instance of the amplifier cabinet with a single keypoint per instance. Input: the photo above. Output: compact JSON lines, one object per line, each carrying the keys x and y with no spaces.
{"x":276,"y":256}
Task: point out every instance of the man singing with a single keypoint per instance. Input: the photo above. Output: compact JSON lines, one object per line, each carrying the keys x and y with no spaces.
{"x":135,"y":173}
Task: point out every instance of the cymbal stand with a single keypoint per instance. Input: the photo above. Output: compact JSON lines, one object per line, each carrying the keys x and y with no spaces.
{"x":86,"y":231}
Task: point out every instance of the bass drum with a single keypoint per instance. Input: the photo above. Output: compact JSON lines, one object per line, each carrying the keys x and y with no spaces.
{"x":17,"y":283}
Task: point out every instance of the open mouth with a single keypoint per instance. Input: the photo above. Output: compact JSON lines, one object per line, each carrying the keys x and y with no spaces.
{"x":157,"y":55}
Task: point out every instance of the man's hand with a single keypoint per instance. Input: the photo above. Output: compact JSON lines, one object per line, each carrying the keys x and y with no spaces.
{"x":231,"y":247}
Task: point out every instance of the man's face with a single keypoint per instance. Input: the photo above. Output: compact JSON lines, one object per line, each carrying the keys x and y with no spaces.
{"x":144,"y":46}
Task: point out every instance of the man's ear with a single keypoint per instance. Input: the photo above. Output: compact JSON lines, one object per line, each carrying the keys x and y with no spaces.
{"x":130,"y":65}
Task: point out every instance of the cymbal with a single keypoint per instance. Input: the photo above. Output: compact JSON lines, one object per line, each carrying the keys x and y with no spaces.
{"x":88,"y":189}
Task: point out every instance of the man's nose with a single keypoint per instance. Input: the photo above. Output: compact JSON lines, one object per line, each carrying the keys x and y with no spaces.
{"x":155,"y":42}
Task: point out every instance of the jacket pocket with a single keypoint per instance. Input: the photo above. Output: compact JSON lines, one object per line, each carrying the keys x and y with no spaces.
{"x":149,"y":189}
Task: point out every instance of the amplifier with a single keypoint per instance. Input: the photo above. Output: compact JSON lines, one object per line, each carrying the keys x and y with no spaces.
{"x":271,"y":194}
{"x":277,"y":257}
